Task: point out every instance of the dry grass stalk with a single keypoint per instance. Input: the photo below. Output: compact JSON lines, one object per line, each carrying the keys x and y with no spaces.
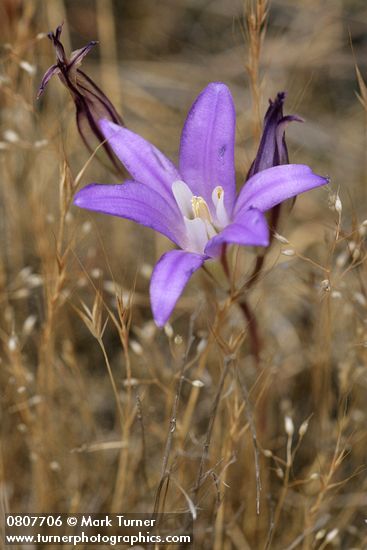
{"x":102,"y":411}
{"x":256,"y":12}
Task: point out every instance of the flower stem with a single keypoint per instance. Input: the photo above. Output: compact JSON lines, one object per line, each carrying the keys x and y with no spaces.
{"x":224,"y":260}
{"x":247,"y":311}
{"x":274,"y":221}
{"x":253,"y":330}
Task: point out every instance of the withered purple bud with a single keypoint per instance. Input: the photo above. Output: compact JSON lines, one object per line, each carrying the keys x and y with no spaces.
{"x":91,"y":103}
{"x":273,"y":148}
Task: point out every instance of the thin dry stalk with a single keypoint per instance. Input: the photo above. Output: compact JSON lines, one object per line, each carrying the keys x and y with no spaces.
{"x":213,"y":413}
{"x":165,"y":470}
{"x":256,"y":12}
{"x":251,"y":423}
{"x":70,"y":444}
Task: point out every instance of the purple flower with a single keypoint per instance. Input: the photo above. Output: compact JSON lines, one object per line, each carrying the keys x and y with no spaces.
{"x":194,"y":205}
{"x":91,"y":103}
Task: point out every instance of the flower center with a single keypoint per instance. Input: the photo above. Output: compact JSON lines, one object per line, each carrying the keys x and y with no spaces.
{"x":200,"y":209}
{"x":202,"y":222}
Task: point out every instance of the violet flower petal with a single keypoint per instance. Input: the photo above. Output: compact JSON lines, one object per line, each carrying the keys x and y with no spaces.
{"x":282,"y":150}
{"x":97,"y":99}
{"x":207,"y":145}
{"x":59,"y":48}
{"x":77,"y":56}
{"x":91,"y":106}
{"x":52,"y":71}
{"x":137,"y":202}
{"x":274,"y":185}
{"x":169,"y":279}
{"x":249,"y":228}
{"x":142,"y":160}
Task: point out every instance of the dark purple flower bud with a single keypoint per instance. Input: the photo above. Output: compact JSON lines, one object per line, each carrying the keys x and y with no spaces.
{"x":273,"y":149}
{"x":91,"y":103}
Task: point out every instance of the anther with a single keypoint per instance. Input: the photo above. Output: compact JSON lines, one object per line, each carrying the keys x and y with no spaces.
{"x":200,"y":208}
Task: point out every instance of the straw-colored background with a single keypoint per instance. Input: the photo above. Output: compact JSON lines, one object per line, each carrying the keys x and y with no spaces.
{"x":85,"y":412}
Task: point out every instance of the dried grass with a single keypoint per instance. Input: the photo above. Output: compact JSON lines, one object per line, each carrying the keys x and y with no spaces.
{"x":101,"y":411}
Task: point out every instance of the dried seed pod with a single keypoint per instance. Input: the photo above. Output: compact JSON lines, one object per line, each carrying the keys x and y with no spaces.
{"x":91,"y":104}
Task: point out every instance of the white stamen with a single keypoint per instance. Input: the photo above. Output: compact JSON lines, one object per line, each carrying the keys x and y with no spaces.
{"x":199,"y":224}
{"x":197,"y":234}
{"x":220,"y":211}
{"x":210,"y":229}
{"x":183,"y":196}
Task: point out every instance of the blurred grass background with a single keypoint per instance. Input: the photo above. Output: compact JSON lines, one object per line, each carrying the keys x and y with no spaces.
{"x":87,"y":409}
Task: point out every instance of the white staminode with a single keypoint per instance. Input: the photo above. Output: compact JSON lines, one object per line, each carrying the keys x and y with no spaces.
{"x":201,"y":222}
{"x":183,"y":196}
{"x":218,"y":201}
